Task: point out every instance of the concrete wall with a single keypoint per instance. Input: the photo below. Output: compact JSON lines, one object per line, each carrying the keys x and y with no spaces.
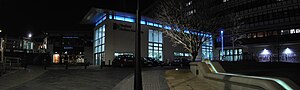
{"x":88,"y":54}
{"x":227,"y":81}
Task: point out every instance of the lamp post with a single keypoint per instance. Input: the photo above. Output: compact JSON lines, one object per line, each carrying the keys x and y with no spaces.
{"x":137,"y":72}
{"x":2,"y":54}
{"x":222,"y":44}
{"x":29,"y":35}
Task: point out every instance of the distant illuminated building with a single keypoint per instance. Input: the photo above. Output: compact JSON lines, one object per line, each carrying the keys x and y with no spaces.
{"x":72,"y":47}
{"x":271,"y":24}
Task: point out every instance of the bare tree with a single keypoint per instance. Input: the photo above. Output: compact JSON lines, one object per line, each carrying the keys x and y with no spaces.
{"x":186,"y":25}
{"x":235,"y":31}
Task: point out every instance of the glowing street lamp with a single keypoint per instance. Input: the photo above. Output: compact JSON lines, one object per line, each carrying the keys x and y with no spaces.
{"x":29,"y":35}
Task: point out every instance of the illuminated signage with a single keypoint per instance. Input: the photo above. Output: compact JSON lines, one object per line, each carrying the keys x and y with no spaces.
{"x":123,"y":27}
{"x":68,"y":47}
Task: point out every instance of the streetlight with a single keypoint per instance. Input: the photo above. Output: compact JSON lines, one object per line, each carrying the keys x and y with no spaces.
{"x":29,"y":35}
{"x":222,"y":43}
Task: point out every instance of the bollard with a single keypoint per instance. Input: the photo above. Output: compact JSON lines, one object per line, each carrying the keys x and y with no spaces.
{"x":85,"y":65}
{"x":101,"y":66}
{"x":67,"y":64}
{"x":45,"y":64}
{"x":109,"y":63}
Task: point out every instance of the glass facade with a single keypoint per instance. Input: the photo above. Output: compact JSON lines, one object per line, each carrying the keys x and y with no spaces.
{"x":99,"y":45}
{"x":229,"y":54}
{"x":207,"y":50}
{"x":155,"y":45}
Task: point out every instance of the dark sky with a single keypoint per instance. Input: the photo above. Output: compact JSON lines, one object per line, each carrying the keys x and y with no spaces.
{"x":24,"y":16}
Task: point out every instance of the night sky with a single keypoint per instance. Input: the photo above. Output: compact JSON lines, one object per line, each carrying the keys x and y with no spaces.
{"x":24,"y":16}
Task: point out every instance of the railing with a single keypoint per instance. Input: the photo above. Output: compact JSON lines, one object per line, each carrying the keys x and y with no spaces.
{"x":9,"y":63}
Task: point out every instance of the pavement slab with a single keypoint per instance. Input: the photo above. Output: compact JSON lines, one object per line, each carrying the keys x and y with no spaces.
{"x":184,"y":80}
{"x":151,"y":79}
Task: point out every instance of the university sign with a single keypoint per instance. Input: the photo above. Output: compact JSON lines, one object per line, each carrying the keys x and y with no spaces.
{"x":123,"y":27}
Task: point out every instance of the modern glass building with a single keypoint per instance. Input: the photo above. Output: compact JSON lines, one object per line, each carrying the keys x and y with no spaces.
{"x":114,"y":35}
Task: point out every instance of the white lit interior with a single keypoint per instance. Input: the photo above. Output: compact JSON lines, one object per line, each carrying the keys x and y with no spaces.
{"x":265,"y":52}
{"x":287,"y":51}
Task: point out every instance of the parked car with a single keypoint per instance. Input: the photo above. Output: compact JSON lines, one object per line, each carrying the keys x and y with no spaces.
{"x":180,"y":62}
{"x":124,"y":60}
{"x":148,"y":61}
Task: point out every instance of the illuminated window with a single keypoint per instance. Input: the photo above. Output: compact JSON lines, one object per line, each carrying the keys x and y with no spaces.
{"x":297,"y":30}
{"x":292,"y":31}
{"x":260,"y":34}
{"x":284,"y":32}
{"x":155,"y":46}
{"x":225,"y":0}
{"x":56,"y":58}
{"x":99,"y":44}
{"x":237,"y":54}
{"x":189,"y":3}
{"x":254,"y":35}
{"x":143,"y":22}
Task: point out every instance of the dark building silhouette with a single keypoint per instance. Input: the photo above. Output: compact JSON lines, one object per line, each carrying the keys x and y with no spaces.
{"x":270,"y":30}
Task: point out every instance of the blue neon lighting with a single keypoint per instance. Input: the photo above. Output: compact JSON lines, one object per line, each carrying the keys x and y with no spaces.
{"x":119,"y":18}
{"x":103,"y":18}
{"x":155,"y":25}
{"x":167,"y":27}
{"x":129,"y":19}
{"x":110,"y":17}
{"x":150,"y":23}
{"x":160,"y":26}
{"x":186,"y":31}
{"x":122,"y":18}
{"x":143,"y":22}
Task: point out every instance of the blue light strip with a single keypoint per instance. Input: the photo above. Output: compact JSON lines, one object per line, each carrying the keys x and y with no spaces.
{"x":131,"y":20}
{"x":101,"y":20}
{"x":122,"y":18}
{"x":280,"y":82}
